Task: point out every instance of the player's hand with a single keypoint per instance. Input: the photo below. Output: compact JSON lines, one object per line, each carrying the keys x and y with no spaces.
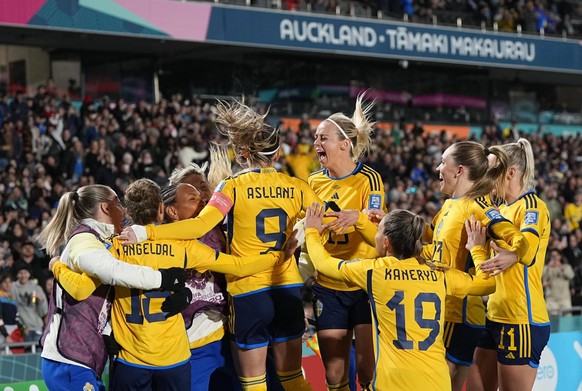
{"x":111,"y":345}
{"x":52,"y":262}
{"x":344,"y":220}
{"x":177,"y":302}
{"x":290,"y":246}
{"x":173,"y":279}
{"x":314,"y":217}
{"x":502,"y":261}
{"x":375,"y":215}
{"x":133,"y":234}
{"x":475,"y":233}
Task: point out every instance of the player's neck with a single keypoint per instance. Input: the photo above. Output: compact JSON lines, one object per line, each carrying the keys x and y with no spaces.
{"x":461,"y":188}
{"x":342,"y":169}
{"x":513,"y":192}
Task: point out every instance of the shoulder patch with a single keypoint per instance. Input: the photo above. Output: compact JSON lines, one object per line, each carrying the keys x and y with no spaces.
{"x":375,"y":201}
{"x":220,"y":186}
{"x":531,"y":217}
{"x":493,"y":214}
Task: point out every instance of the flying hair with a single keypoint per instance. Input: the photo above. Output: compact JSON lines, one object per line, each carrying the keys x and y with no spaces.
{"x":357,"y":129}
{"x":254,"y":141}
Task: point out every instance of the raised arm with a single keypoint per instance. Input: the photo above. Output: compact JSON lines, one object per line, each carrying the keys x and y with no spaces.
{"x":201,"y":257}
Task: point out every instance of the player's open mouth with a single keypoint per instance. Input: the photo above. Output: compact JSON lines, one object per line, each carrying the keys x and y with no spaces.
{"x":321,"y":155}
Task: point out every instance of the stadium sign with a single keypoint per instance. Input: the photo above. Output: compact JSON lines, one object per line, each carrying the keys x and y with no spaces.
{"x":404,"y":39}
{"x":387,"y":39}
{"x":295,"y":31}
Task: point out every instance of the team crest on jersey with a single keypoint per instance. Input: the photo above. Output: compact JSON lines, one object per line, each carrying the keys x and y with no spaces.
{"x":493,"y":214}
{"x":531,"y":217}
{"x":88,"y":387}
{"x":318,"y":308}
{"x":375,"y":202}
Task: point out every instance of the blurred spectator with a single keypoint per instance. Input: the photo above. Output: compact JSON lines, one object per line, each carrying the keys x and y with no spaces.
{"x":557,"y":277}
{"x":573,"y":252}
{"x":573,"y":212}
{"x":31,"y":303}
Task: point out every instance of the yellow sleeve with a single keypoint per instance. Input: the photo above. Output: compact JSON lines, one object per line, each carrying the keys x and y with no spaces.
{"x":79,"y":285}
{"x":461,"y":284}
{"x":202,"y":257}
{"x":482,"y":284}
{"x":500,"y":228}
{"x":367,"y":229}
{"x":194,"y":228}
{"x":323,"y":262}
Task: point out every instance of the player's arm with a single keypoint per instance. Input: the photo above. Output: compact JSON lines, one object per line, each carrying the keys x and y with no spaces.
{"x":202,"y":257}
{"x":499,"y":228}
{"x":481,"y":284}
{"x":90,"y":256}
{"x":461,"y":284}
{"x":79,"y":285}
{"x":367,"y":229}
{"x":323,"y":262}
{"x":194,"y":228}
{"x":211,"y":215}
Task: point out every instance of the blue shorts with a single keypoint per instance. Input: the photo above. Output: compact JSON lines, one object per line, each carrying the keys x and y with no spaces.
{"x":516,"y":344}
{"x":340,"y":309}
{"x":124,"y":377}
{"x":204,"y":360}
{"x":460,"y":342}
{"x":275,"y":314}
{"x":59,"y":376}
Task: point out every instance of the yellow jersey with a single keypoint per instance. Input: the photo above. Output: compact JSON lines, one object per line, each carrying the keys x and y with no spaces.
{"x":573,"y":214}
{"x":261,"y":206}
{"x":448,"y":247}
{"x":139,"y":325}
{"x":519,"y":298}
{"x":362,"y":189}
{"x":407,"y":299}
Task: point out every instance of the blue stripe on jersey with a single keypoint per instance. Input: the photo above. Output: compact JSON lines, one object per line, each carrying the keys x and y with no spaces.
{"x":521,"y":196}
{"x":376,"y":324}
{"x":526,"y":281}
{"x":358,"y":167}
{"x":269,"y":288}
{"x":153,"y":368}
{"x":230,"y":219}
{"x":531,"y":230}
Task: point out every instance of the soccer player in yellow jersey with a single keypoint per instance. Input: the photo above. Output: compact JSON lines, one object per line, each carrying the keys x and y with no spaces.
{"x":341,"y":308}
{"x":262,"y":206}
{"x":407,"y":297}
{"x":518,"y":325}
{"x":573,"y":211}
{"x":466,"y":176}
{"x":154,"y":348}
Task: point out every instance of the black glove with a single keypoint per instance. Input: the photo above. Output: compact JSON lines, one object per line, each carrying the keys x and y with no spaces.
{"x":173,"y":279}
{"x":177,"y":301}
{"x":111,"y":345}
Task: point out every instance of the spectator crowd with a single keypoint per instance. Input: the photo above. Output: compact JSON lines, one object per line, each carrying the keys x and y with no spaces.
{"x":49,"y":147}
